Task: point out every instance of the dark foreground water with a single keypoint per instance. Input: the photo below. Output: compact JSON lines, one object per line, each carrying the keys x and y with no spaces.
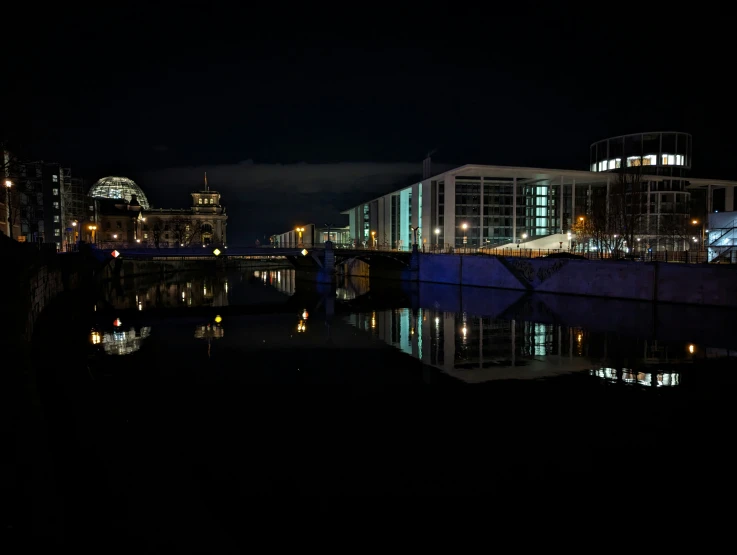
{"x":182,"y":414}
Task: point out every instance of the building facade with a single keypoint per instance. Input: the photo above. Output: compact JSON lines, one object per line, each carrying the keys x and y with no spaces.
{"x":124,"y":220}
{"x":478,"y":206}
{"x":311,"y":235}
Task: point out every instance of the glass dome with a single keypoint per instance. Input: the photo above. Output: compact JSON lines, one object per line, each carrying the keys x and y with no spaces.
{"x":118,"y":187}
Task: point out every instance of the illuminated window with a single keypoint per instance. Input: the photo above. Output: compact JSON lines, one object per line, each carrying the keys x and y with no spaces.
{"x":212,"y":200}
{"x":668,"y":159}
{"x":679,"y":159}
{"x":145,"y":235}
{"x":615,"y":163}
{"x":56,"y":218}
{"x":602,"y":166}
{"x":633,"y":161}
{"x":55,"y":192}
{"x":650,"y":160}
{"x":56,"y":205}
{"x":55,"y":178}
{"x":593,"y":167}
{"x":200,"y":200}
{"x":57,"y":231}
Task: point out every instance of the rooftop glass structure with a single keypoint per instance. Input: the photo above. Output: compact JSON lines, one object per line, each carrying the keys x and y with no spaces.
{"x":119,"y":188}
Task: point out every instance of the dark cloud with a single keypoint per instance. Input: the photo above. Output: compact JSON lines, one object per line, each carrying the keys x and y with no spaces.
{"x":268,"y":198}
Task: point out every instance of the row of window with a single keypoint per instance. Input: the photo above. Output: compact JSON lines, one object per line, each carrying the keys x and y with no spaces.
{"x":634,"y":161}
{"x":211,"y":201}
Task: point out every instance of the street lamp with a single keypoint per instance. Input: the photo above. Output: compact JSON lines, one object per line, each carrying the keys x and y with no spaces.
{"x":437,"y":237}
{"x":300,"y":230}
{"x":8,"y":185}
{"x":703,"y":238}
{"x":464,"y":227}
{"x":524,"y":236}
{"x":373,"y":238}
{"x":92,"y":228}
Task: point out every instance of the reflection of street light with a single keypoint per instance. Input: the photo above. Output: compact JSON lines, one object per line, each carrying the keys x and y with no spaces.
{"x":8,"y":185}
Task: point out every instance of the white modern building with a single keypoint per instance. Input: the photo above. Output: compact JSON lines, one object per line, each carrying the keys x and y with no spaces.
{"x":485,"y":206}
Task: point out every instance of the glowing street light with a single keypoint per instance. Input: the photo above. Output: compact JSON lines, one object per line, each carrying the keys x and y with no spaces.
{"x":464,"y":227}
{"x":524,"y":236}
{"x":373,"y":238}
{"x":437,"y":236}
{"x":300,"y":230}
{"x":8,"y":185}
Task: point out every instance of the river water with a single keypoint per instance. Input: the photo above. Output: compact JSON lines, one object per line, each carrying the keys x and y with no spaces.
{"x":174,"y":401}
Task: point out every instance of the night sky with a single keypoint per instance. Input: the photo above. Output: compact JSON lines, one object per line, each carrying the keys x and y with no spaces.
{"x":298,"y":115}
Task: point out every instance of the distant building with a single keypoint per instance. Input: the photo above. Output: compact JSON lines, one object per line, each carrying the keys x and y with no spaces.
{"x":124,"y":219}
{"x":312,"y":236}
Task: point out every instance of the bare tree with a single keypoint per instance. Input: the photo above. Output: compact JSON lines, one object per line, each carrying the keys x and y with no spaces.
{"x":615,"y":220}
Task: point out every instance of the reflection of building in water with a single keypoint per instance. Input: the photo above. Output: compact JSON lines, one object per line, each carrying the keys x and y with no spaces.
{"x":654,"y":379}
{"x":350,"y":287}
{"x":282,"y":280}
{"x":209,"y":332}
{"x":477,"y":349}
{"x":120,"y":342}
{"x":172,"y":292}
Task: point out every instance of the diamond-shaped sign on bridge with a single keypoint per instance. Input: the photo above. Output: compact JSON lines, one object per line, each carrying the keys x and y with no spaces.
{"x":115,"y":254}
{"x":304,"y":252}
{"x":216,"y":252}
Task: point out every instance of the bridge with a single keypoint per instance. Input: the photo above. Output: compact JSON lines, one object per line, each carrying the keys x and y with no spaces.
{"x":321,"y":260}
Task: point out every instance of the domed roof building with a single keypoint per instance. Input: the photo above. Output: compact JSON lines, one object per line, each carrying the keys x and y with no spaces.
{"x":113,"y":187}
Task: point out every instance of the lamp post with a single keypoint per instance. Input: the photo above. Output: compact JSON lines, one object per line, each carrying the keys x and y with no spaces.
{"x":437,"y":237}
{"x":703,"y":238}
{"x":8,"y":185}
{"x":373,"y":239}
{"x":92,"y":229}
{"x":414,"y":230}
{"x":300,"y":230}
{"x":464,"y":227}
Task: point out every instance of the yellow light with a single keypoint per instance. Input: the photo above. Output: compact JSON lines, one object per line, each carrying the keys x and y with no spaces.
{"x":578,"y":338}
{"x":218,"y":319}
{"x":694,"y":222}
{"x":580,"y":219}
{"x":305,"y":315}
{"x":216,"y":252}
{"x":691,"y":349}
{"x":464,"y":226}
{"x":465,"y":331}
{"x":95,"y":338}
{"x":304,"y":252}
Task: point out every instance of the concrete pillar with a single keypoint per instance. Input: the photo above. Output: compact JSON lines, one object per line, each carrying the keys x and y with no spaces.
{"x":729,"y":199}
{"x":561,"y":209}
{"x":514,"y":210}
{"x":573,"y":201}
{"x":326,"y":274}
{"x":450,"y":210}
{"x":481,"y":213}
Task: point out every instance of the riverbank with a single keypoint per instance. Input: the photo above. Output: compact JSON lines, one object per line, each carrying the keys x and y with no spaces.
{"x":697,"y":284}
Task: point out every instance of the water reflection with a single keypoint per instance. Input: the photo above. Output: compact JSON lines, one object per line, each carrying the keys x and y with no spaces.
{"x":209,"y":332}
{"x":118,"y":341}
{"x":478,"y":348}
{"x":198,"y":289}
